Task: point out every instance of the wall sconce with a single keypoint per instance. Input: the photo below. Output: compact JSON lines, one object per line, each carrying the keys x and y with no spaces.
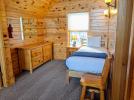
{"x":108,"y":13}
{"x":113,"y":11}
{"x":111,"y":8}
{"x":109,"y":3}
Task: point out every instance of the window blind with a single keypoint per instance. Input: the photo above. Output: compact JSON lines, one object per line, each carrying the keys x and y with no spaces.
{"x":78,"y":21}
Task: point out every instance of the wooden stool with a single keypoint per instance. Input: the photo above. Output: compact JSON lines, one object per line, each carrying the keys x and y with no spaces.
{"x":92,"y":93}
{"x":92,"y":81}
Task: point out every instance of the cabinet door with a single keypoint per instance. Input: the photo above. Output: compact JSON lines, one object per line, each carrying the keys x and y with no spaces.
{"x":47,"y":50}
{"x":15,"y":62}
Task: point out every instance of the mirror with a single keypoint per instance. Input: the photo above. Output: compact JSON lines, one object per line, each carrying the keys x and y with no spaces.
{"x":25,"y":28}
{"x":28,"y":28}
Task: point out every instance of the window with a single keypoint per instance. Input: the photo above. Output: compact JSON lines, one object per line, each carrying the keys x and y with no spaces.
{"x":78,"y":26}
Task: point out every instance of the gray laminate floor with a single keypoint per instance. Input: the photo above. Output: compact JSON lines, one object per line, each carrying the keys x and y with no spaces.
{"x":46,"y":83}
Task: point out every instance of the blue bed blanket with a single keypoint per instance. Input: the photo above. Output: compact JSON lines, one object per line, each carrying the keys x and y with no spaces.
{"x":85,"y":64}
{"x":90,"y":52}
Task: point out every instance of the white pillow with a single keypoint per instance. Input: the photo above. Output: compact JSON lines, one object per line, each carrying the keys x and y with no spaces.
{"x":94,"y":41}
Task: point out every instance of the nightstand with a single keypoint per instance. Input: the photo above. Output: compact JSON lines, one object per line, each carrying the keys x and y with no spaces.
{"x":70,"y":50}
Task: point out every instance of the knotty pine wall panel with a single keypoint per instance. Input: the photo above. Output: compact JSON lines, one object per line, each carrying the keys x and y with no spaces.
{"x":56,"y":23}
{"x":34,"y":7}
{"x":101,"y":25}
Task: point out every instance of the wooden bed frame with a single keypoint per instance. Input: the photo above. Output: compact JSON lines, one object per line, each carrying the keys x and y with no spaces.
{"x":94,"y":81}
{"x":77,"y":74}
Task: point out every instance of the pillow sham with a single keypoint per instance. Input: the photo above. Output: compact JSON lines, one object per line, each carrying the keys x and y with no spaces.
{"x":94,"y":41}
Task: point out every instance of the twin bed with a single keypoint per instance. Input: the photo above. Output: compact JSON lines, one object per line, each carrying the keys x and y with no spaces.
{"x":86,"y":60}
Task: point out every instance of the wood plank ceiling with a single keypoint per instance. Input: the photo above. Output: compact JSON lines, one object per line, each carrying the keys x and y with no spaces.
{"x":38,"y":7}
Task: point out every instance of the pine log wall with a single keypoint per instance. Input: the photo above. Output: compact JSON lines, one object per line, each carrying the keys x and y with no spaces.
{"x":14,"y":19}
{"x":28,"y":10}
{"x":10,"y":13}
{"x":56,"y":23}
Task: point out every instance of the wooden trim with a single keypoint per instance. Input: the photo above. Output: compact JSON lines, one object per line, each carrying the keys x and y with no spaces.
{"x":5,"y":52}
{"x":75,"y":74}
{"x":130,"y":71}
{"x":68,"y":38}
{"x":121,"y":52}
{"x":2,"y":58}
{"x":106,"y":69}
{"x":30,"y":59}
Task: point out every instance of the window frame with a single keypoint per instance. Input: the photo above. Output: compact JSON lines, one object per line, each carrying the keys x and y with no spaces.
{"x":68,"y":31}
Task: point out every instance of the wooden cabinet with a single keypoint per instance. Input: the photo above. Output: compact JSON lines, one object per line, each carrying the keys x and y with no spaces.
{"x":32,"y":56}
{"x":59,"y":51}
{"x":70,"y":50}
{"x":47,"y":52}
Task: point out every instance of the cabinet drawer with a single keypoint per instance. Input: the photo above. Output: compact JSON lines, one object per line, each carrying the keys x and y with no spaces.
{"x":36,"y":62}
{"x":36,"y":52}
{"x":37,"y":57}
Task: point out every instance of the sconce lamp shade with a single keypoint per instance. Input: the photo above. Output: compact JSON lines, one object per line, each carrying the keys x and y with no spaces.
{"x":112,"y":12}
{"x":106,"y":12}
{"x":108,"y":1}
